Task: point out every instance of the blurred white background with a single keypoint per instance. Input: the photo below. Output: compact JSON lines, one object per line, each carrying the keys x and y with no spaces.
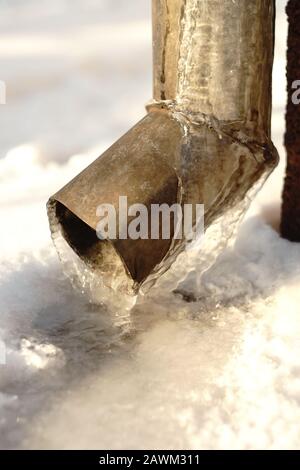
{"x":77,"y":72}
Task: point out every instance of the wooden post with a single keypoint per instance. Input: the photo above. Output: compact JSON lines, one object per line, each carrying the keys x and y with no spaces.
{"x":290,"y":225}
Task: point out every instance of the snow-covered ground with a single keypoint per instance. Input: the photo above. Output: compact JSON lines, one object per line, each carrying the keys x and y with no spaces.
{"x":223,"y":372}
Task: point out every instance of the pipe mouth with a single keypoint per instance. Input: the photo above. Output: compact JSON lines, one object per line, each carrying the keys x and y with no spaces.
{"x":96,"y":263}
{"x":79,"y":235}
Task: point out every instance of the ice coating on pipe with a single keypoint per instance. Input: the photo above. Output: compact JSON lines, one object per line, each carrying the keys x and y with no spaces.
{"x":205,"y":140}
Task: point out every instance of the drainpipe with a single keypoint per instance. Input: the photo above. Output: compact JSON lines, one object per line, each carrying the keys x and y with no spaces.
{"x":205,"y":139}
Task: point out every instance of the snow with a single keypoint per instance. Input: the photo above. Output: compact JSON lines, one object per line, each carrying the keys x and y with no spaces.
{"x":219,"y":372}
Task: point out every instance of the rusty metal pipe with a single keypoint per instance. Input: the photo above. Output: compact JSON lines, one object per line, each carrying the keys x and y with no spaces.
{"x":205,"y":139}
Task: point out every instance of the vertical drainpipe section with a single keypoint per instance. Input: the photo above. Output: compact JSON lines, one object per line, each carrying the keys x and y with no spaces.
{"x":213,"y":64}
{"x":214,"y":58}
